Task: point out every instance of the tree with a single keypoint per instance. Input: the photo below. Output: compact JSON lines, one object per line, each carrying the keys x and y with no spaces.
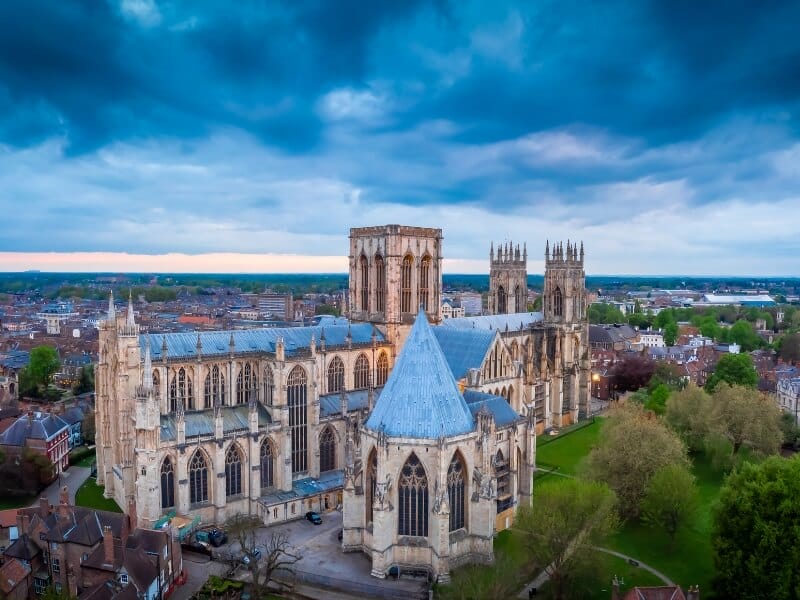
{"x":743,"y":333}
{"x":88,"y":429}
{"x":670,"y":333}
{"x":632,"y":372}
{"x":670,"y":501}
{"x":601,"y":312}
{"x":567,"y":518}
{"x":746,"y":417}
{"x":85,"y":381}
{"x":43,"y":364}
{"x":277,"y":555}
{"x":790,"y":347}
{"x":688,"y":412}
{"x":657,"y":399}
{"x":667,"y":373}
{"x":755,"y":535}
{"x":633,"y":446}
{"x":734,"y":369}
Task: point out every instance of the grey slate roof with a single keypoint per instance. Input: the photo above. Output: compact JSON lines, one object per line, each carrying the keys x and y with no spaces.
{"x":39,"y":426}
{"x":201,"y":422}
{"x":331,"y":404}
{"x":514,"y":321}
{"x":183,"y":345}
{"x":497,"y":405}
{"x":421,"y":398}
{"x":309,"y":486}
{"x":464,"y":349}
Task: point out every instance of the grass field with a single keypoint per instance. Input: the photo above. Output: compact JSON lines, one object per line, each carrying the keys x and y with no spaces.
{"x":91,"y":495}
{"x":564,"y":452}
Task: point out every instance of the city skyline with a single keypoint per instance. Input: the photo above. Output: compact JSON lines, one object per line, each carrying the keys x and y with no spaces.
{"x":146,"y":134}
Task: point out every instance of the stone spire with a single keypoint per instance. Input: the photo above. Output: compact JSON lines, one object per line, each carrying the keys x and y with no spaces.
{"x":147,"y":377}
{"x":129,"y":321}
{"x":112,"y":313}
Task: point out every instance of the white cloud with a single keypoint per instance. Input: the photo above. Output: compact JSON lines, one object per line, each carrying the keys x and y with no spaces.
{"x":348,"y":103}
{"x":145,"y":12}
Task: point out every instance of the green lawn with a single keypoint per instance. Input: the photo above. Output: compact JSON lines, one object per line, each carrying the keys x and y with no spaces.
{"x":91,"y":495}
{"x":87,"y":461}
{"x":565,"y":451}
{"x":691,"y":562}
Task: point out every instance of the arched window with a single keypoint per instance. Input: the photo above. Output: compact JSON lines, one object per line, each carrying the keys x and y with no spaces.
{"x":517,"y":305}
{"x":510,"y":396}
{"x":208,"y":395}
{"x":405,"y":284}
{"x":456,"y":489}
{"x":167,"y":484}
{"x":424,"y":282}
{"x":502,"y":303}
{"x":246,"y":385}
{"x":297,"y":401}
{"x":180,"y":389}
{"x":335,"y":375}
{"x":361,"y":373}
{"x":558,"y":303}
{"x":380,"y":284}
{"x":327,"y":450}
{"x":382,"y":371}
{"x":372,"y":475}
{"x":266,"y":465}
{"x":269,"y":386}
{"x":156,"y":383}
{"x":502,"y":473}
{"x":413,"y":499}
{"x":363,"y":269}
{"x":233,"y":472}
{"x":198,"y":478}
{"x":217,"y":387}
{"x":514,"y":350}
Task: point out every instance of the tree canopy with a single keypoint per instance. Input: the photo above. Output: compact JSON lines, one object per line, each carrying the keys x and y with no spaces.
{"x":746,"y":417}
{"x":733,"y":369}
{"x":632,"y":372}
{"x":670,"y":500}
{"x":756,"y":537}
{"x":601,"y":312}
{"x":38,"y":374}
{"x":689,"y":413}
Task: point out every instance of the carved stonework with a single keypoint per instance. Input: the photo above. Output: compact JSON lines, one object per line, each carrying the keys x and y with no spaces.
{"x":382,"y":490}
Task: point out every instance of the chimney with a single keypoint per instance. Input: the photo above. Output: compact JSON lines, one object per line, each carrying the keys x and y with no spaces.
{"x":26,"y":524}
{"x":20,"y":523}
{"x":63,"y":501}
{"x":132,"y":516}
{"x":108,"y":546}
{"x":44,"y":506}
{"x":693,"y":593}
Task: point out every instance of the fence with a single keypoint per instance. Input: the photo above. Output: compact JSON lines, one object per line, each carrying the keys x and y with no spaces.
{"x":366,"y":590}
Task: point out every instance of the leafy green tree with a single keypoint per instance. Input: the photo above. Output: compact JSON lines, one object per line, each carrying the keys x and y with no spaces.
{"x":688,"y":412}
{"x":601,"y":312}
{"x":639,"y":320}
{"x":743,"y":333}
{"x":43,"y":364}
{"x":670,"y":501}
{"x":668,"y":374}
{"x":756,"y":538}
{"x":790,"y":347}
{"x":709,"y":327}
{"x":567,"y":518}
{"x":633,"y":446}
{"x":670,"y":333}
{"x":85,"y":381}
{"x":326,"y":309}
{"x":733,"y":369}
{"x":663,"y":318}
{"x":746,"y":417}
{"x":657,"y":399}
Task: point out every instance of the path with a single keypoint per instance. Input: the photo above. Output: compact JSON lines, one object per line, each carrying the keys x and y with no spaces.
{"x":554,"y":472}
{"x":73,"y":478}
{"x":542,"y":578}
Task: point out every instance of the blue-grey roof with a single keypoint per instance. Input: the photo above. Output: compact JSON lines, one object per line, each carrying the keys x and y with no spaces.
{"x":497,"y":405}
{"x":38,"y":426}
{"x":464,"y":349}
{"x":302,"y":488}
{"x":514,"y":321}
{"x":331,"y":404}
{"x":421,"y":398}
{"x":14,"y":359}
{"x":183,"y":345}
{"x":201,"y":422}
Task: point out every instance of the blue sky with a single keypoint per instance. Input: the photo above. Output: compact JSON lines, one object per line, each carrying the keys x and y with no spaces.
{"x":662,"y":134}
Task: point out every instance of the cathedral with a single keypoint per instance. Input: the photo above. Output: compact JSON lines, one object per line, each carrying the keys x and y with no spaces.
{"x":422,"y":430}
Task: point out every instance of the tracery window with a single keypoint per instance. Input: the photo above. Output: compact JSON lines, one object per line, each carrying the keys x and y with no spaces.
{"x":297,"y":401}
{"x":246,"y":385}
{"x":424,"y":282}
{"x":405,"y":284}
{"x":502,"y":304}
{"x":372,"y":475}
{"x":327,"y":450}
{"x":198,"y":478}
{"x":233,"y":472}
{"x":266,"y":465}
{"x":456,"y":488}
{"x":413,"y":499}
{"x":180,"y":389}
{"x":214,"y":388}
{"x":156,"y":383}
{"x":361,"y":373}
{"x":382,"y":370}
{"x":380,"y":284}
{"x":363,"y":268}
{"x":502,"y":473}
{"x":269,"y":386}
{"x":335,"y":375}
{"x":558,"y":303}
{"x":167,"y":483}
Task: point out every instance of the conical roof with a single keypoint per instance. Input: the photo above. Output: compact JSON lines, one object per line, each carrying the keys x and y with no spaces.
{"x":421,"y":398}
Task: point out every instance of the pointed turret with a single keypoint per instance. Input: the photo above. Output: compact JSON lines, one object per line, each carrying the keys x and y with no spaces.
{"x":112,"y":312}
{"x":199,"y":346}
{"x":525,"y":251}
{"x":491,"y":252}
{"x":164,"y":347}
{"x":147,"y":370}
{"x":129,"y":320}
{"x":581,"y":250}
{"x":231,"y":345}
{"x":547,"y":250}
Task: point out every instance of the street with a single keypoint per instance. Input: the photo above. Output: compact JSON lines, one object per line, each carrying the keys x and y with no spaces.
{"x":73,"y":478}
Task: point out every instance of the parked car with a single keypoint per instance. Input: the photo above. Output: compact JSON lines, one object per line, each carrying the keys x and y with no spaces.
{"x":314,"y":517}
{"x":215,"y":537}
{"x":256,"y":555}
{"x":195,"y":545}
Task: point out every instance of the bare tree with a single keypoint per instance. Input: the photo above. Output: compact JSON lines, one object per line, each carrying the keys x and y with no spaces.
{"x":263,"y":562}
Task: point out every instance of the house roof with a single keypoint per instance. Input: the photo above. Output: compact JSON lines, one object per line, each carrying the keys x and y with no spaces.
{"x":512,"y":322}
{"x":39,"y":426}
{"x":501,"y":410}
{"x":201,"y":422}
{"x":184,"y":345}
{"x":421,"y":398}
{"x":11,"y":574}
{"x":464,"y":349}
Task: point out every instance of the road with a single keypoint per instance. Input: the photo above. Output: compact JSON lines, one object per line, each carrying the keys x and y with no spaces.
{"x":73,"y":478}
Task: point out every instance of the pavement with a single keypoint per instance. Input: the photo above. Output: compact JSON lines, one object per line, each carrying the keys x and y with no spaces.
{"x":73,"y":478}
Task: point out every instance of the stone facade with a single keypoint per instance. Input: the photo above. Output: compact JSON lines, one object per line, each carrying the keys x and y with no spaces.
{"x":508,"y":280}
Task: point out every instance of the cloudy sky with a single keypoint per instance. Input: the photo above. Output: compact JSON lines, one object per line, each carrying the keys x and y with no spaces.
{"x":165,"y":135}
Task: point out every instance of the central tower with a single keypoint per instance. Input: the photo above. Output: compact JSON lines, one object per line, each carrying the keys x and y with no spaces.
{"x":395,"y":269}
{"x":508,"y":280}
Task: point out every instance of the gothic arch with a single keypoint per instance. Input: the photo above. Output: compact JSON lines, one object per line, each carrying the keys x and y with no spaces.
{"x":363,"y":279}
{"x":269,"y":386}
{"x":267,"y":462}
{"x":180,"y":390}
{"x":425,"y":282}
{"x":361,"y":372}
{"x":413,"y":497}
{"x":297,"y":402}
{"x":380,"y":284}
{"x":198,"y":470}
{"x":246,"y":384}
{"x":335,"y":375}
{"x":502,"y":300}
{"x":457,"y":491}
{"x":214,"y":387}
{"x":406,"y":285}
{"x":327,"y":450}
{"x":382,"y":370}
{"x":558,"y":302}
{"x":167,"y":475}
{"x":234,"y":458}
